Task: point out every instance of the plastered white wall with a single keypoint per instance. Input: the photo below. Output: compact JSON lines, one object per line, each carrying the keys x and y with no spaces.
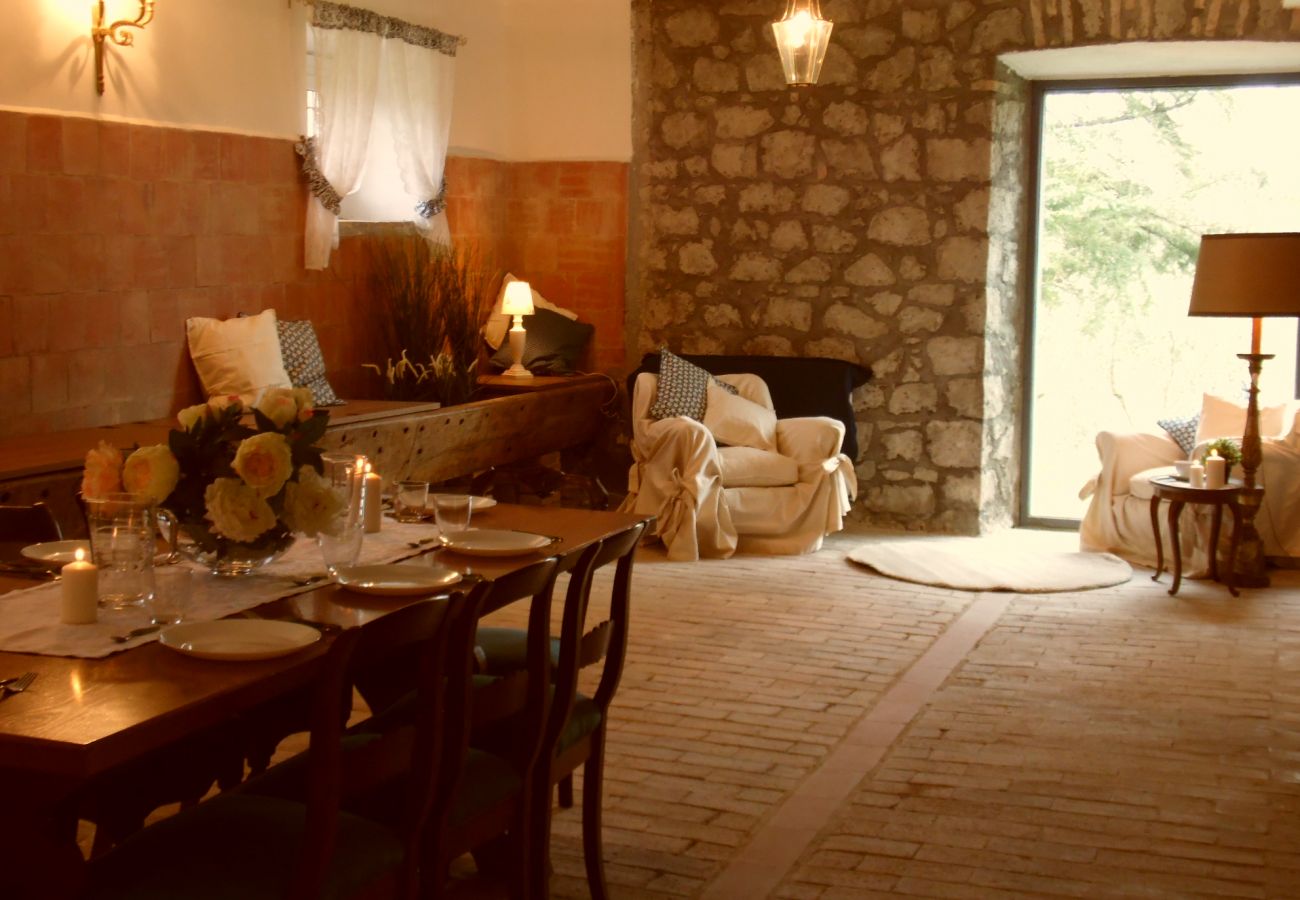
{"x":538,"y":79}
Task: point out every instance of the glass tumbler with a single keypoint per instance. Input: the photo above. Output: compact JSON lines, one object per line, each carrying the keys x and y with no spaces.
{"x":410,"y":503}
{"x":122,"y":546}
{"x":340,"y":541}
{"x":452,"y":513}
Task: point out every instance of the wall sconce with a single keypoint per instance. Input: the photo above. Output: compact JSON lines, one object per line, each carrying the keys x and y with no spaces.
{"x":801,"y":39}
{"x":115,"y":33}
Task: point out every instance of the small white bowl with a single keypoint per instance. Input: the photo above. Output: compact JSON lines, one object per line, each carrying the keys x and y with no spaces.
{"x":1183,"y":467}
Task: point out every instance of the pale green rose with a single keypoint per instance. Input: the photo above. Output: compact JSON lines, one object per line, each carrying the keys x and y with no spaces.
{"x":236,"y":511}
{"x":279,"y":405}
{"x":191,"y":416}
{"x":310,"y":506}
{"x":151,"y":471}
{"x":265,"y":462}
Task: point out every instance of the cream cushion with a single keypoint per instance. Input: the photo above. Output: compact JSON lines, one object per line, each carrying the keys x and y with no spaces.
{"x":498,"y":323}
{"x":237,"y":356}
{"x":738,"y":422}
{"x":1139,"y":486}
{"x":751,"y":467}
{"x":1223,"y":418}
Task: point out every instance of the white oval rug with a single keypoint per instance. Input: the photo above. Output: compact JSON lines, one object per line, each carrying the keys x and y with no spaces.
{"x":977,"y":564}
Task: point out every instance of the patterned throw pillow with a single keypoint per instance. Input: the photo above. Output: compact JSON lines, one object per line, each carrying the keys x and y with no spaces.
{"x":1183,"y":431}
{"x":303,"y":361}
{"x":683,"y":388}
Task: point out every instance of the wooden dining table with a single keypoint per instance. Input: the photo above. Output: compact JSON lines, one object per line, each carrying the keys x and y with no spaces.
{"x":84,"y":717}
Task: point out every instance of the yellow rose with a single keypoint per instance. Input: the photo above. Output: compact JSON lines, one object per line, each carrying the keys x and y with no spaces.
{"x":151,"y":471}
{"x":279,"y":405}
{"x":265,"y":462}
{"x":237,"y":511}
{"x":310,"y":506}
{"x":192,"y":415}
{"x":103,"y":474}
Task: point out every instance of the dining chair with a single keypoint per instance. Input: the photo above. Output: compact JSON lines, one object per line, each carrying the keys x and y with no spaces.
{"x":576,"y":724}
{"x":250,"y":843}
{"x":483,"y":800}
{"x":31,"y":524}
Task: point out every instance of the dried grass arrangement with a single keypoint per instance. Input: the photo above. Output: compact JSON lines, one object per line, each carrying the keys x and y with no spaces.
{"x":432,"y":301}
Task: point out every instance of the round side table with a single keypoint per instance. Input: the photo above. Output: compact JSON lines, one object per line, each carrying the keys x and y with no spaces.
{"x":1179,"y":493}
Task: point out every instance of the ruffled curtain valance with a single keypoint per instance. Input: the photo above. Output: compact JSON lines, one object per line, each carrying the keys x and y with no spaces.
{"x":359,"y":53}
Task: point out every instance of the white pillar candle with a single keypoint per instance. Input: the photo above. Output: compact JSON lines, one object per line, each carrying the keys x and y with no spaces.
{"x":1216,"y":471}
{"x":1196,"y":475}
{"x":374,"y":512}
{"x":80,"y":580}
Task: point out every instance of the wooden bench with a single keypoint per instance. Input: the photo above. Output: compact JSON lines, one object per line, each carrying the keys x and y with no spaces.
{"x":403,"y":440}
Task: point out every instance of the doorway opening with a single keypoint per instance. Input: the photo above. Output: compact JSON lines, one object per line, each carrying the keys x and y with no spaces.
{"x":1129,"y":176}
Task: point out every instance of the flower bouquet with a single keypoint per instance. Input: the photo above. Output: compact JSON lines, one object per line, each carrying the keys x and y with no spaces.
{"x":239,"y":493}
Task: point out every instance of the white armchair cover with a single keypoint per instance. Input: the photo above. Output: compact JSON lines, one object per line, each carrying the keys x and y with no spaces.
{"x":1118,"y":519}
{"x":676,"y":476}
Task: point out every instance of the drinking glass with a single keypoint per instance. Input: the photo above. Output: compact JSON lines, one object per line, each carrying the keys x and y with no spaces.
{"x":411,"y":502}
{"x":171,"y":594}
{"x":122,"y":546}
{"x":340,"y":541}
{"x":452,"y":512}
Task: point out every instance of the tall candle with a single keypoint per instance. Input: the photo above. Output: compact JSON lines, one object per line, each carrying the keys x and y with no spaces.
{"x":1215,"y":470}
{"x":374,"y":512}
{"x":80,"y":579}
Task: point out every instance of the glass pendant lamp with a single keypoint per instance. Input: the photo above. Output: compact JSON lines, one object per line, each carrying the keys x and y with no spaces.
{"x":801,"y":38}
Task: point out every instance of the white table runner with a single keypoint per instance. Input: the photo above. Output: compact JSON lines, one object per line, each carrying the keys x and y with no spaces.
{"x":29,"y":619}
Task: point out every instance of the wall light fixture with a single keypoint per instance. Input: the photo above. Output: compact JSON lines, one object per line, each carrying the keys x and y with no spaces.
{"x":115,"y":32}
{"x":802,"y":38}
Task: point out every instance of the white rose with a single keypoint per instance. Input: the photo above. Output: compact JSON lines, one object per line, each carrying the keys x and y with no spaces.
{"x":191,"y":416}
{"x":265,"y":462}
{"x":310,"y":506}
{"x":279,"y":405}
{"x":237,"y":511}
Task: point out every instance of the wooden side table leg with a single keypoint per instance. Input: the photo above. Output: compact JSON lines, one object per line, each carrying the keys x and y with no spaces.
{"x":1231,"y":578}
{"x":1160,"y":546}
{"x":1176,"y":507}
{"x":1216,"y":523}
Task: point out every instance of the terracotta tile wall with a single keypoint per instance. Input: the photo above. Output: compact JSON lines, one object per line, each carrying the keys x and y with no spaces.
{"x":111,"y":235}
{"x":560,"y":225}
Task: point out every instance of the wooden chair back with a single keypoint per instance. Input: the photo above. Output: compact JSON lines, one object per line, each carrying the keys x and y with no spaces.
{"x":29,"y":524}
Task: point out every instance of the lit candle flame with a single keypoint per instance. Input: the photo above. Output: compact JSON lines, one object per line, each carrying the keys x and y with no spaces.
{"x":81,"y":555}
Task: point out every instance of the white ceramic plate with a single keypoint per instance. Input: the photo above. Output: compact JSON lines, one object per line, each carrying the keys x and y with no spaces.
{"x":396,"y":580}
{"x":495,"y":542}
{"x":238,"y":639}
{"x":476,"y":502}
{"x":56,"y":553}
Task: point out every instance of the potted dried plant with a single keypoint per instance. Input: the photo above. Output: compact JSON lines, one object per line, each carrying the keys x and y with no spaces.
{"x":432,"y":301}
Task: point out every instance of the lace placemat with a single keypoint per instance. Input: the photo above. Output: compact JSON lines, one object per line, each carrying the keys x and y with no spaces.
{"x":29,"y":619}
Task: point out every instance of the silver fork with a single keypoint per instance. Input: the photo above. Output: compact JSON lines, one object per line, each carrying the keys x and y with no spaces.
{"x":18,"y":685}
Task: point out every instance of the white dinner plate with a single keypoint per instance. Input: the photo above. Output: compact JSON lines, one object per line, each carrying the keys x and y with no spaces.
{"x":495,"y":542}
{"x":238,"y":639}
{"x":396,"y":580}
{"x":56,"y":553}
{"x":477,"y":502}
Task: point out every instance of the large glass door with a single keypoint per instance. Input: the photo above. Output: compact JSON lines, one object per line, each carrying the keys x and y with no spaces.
{"x":1129,"y":178}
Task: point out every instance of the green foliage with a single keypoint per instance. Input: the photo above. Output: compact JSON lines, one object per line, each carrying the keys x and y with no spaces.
{"x":1227,"y":448}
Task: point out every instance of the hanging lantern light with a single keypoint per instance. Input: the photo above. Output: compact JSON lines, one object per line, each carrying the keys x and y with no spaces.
{"x":801,"y":39}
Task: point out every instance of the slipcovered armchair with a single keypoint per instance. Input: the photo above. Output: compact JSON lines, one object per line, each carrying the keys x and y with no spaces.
{"x":711,"y":499}
{"x":1118,"y":519}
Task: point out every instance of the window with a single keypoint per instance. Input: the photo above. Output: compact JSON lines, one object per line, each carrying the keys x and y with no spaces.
{"x":1130,"y":176}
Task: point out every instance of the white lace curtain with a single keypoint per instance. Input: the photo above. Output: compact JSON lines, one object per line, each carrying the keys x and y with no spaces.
{"x":355,"y":51}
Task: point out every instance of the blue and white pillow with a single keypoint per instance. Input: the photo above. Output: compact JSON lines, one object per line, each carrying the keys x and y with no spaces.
{"x":1183,"y":431}
{"x":683,"y":388}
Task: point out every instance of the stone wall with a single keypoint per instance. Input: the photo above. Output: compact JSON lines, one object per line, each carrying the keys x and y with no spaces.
{"x":877,"y":217}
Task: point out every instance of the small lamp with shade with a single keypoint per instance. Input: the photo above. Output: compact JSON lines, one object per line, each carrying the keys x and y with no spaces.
{"x":517,"y":302}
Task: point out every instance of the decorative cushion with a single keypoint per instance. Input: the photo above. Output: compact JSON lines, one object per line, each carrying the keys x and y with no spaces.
{"x":1223,"y":418}
{"x":733,"y":420}
{"x":683,"y":388}
{"x":1183,"y":431}
{"x":303,"y":361}
{"x":749,"y":467}
{"x":237,"y":356}
{"x":498,"y":323}
{"x":555,"y":344}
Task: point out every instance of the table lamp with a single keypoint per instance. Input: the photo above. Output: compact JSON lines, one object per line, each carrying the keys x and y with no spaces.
{"x":1249,"y":276}
{"x":517,"y":302}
